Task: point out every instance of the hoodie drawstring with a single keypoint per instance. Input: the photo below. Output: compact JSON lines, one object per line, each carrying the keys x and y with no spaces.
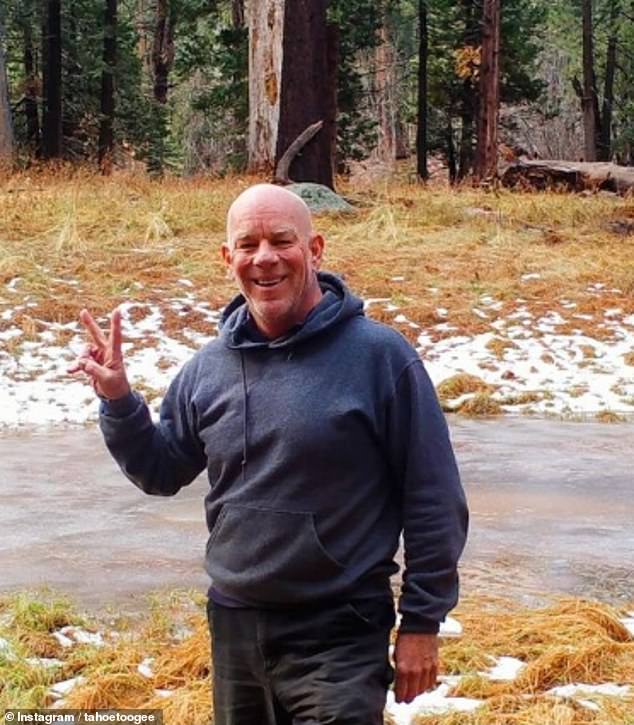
{"x":245,"y":414}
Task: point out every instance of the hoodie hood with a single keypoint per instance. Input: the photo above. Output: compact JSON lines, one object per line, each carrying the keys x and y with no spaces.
{"x":337,"y":304}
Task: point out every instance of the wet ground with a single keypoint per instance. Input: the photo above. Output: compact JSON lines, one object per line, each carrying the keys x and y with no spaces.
{"x":552,"y":512}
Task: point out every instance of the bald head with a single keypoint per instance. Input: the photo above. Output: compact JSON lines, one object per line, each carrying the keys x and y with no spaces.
{"x":275,"y":203}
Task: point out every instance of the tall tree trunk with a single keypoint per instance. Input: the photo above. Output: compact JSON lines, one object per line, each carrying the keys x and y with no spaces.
{"x":163,"y":49}
{"x":421,"y":134}
{"x":605,"y":141}
{"x":487,"y":144}
{"x":7,"y":143}
{"x":468,"y":104}
{"x":265,"y":19}
{"x":306,"y":91}
{"x":471,"y":37}
{"x":31,"y":114}
{"x":384,"y":59}
{"x":52,"y":41}
{"x":588,"y":100}
{"x":237,"y":13}
{"x":106,"y":127}
{"x":451,"y":151}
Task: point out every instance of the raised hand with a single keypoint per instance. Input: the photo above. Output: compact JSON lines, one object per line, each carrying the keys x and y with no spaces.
{"x":102,"y":359}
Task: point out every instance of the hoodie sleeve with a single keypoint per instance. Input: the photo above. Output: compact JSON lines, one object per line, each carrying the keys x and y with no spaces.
{"x":158,"y":458}
{"x":434,"y":509}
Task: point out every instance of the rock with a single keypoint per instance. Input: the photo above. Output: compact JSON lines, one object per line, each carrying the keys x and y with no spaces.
{"x":320,"y":198}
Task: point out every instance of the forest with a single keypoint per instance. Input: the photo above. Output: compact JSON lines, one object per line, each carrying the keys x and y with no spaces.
{"x":221,"y":86}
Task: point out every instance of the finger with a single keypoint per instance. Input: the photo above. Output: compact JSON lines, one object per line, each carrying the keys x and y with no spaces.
{"x":405,"y":686}
{"x":412,"y":686}
{"x":427,"y":679}
{"x":400,"y":686}
{"x":93,"y":329}
{"x":115,"y":333}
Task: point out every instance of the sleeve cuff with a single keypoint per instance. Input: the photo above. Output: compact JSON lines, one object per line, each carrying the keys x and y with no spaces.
{"x":121,"y":407}
{"x":413,"y":623}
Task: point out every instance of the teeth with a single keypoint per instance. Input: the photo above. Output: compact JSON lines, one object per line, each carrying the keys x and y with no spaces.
{"x":267,"y":283}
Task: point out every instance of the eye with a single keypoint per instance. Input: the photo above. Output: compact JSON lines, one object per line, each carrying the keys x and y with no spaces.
{"x":245,"y":245}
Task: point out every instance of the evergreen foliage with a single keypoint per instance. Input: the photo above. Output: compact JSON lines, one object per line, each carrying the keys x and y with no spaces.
{"x":201,"y":124}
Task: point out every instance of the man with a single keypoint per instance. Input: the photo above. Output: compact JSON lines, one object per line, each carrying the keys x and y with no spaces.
{"x":323,"y":442}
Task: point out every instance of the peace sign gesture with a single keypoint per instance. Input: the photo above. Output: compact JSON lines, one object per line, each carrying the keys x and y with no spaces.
{"x":102,"y":359}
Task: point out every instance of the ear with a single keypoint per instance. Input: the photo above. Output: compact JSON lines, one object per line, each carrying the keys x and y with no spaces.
{"x":316,"y":247}
{"x":227,"y":257}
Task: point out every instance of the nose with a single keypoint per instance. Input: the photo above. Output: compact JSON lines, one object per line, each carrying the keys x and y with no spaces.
{"x":266,"y":254}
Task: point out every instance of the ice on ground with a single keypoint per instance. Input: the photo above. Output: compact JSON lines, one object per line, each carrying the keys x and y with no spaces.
{"x":572,"y":690}
{"x":435,"y":702}
{"x":63,"y":640}
{"x":77,"y":635}
{"x":450,"y":628}
{"x":44,"y":662}
{"x":505,"y":669}
{"x":628,"y":623}
{"x":145,"y":668}
{"x":59,"y":689}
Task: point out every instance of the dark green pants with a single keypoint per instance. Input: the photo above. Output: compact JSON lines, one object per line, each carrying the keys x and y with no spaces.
{"x":303,"y":666}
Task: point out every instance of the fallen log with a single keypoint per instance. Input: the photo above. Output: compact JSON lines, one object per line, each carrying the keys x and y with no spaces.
{"x":569,"y":175}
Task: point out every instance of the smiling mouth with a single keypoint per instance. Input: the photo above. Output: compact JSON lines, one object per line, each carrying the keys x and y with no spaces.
{"x":268,"y":282}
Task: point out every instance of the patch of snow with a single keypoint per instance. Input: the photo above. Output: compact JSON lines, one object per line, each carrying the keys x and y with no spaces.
{"x":145,"y":668}
{"x":628,"y":623}
{"x":505,"y":669}
{"x":44,"y":662}
{"x":59,"y":689}
{"x":435,"y":702}
{"x":574,"y":689}
{"x":82,"y":636}
{"x":63,"y":640}
{"x":374,"y":301}
{"x":450,"y":628}
{"x":530,"y":276}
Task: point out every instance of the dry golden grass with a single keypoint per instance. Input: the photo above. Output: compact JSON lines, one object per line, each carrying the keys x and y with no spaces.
{"x":130,"y":238}
{"x":571,"y":640}
{"x":460,"y":384}
{"x":480,"y":406}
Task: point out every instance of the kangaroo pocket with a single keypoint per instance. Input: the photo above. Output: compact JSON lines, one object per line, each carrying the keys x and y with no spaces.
{"x":262,"y":555}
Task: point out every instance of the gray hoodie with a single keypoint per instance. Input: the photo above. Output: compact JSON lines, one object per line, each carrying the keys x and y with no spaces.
{"x":321,"y":448}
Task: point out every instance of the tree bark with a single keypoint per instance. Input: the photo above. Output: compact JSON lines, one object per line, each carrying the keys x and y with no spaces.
{"x":163,"y":49}
{"x":451,"y":151}
{"x":52,"y":42}
{"x":307,"y":89}
{"x":588,"y":99}
{"x":237,"y":13}
{"x":31,"y":114}
{"x":605,"y":140}
{"x":7,"y":142}
{"x":106,"y":127}
{"x":487,"y":143}
{"x":384,"y":83}
{"x":265,"y":19}
{"x":421,"y":131}
{"x":471,"y":37}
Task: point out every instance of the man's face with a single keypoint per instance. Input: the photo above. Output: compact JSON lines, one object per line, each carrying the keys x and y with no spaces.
{"x":273,"y":255}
